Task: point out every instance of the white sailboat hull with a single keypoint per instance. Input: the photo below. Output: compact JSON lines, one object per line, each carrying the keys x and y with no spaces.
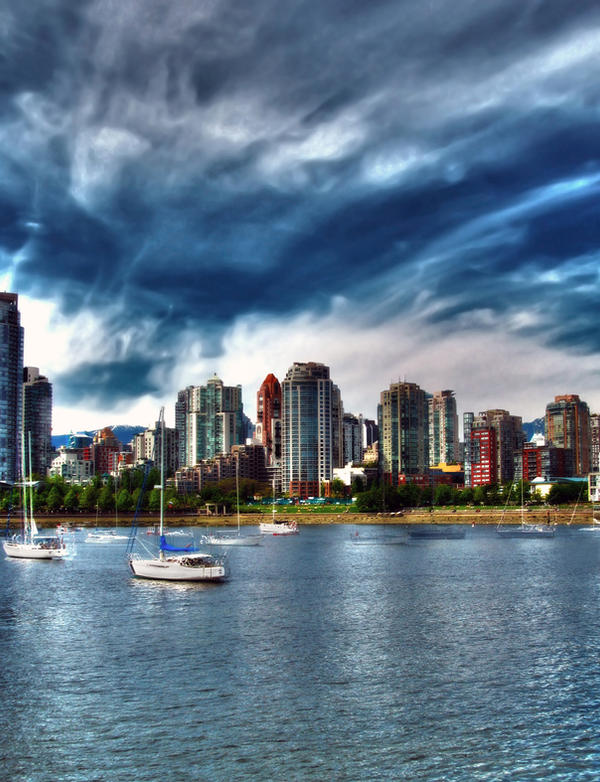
{"x":232,"y":540}
{"x":189,"y":567}
{"x":279,"y":528}
{"x":106,"y":537}
{"x":32,"y":551}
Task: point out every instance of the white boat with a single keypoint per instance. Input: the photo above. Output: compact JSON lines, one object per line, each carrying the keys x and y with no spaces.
{"x":104,"y":537}
{"x":232,"y":539}
{"x":278,"y":526}
{"x":524,"y":530}
{"x":30,"y":544}
{"x":174,"y":563}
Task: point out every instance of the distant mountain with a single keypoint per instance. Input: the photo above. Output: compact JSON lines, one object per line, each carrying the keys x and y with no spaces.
{"x":123,"y":433}
{"x":537,"y":426}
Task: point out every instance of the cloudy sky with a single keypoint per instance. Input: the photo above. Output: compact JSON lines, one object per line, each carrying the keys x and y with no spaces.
{"x":403,"y":189}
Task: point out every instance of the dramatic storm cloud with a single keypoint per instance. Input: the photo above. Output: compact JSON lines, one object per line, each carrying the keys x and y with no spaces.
{"x":398,"y":189}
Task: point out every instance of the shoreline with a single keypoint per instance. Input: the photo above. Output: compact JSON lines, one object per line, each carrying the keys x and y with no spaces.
{"x":469,"y":516}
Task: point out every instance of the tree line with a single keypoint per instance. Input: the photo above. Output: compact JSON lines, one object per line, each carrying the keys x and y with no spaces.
{"x":410,"y":495}
{"x":133,"y":488}
{"x":137,"y":488}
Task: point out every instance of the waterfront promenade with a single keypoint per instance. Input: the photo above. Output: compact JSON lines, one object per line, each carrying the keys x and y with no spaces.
{"x":477,"y":516}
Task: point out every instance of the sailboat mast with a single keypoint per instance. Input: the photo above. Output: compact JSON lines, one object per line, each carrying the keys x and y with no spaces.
{"x":24,"y":486}
{"x":30,"y":479}
{"x":522,"y":508}
{"x":273,"y":500}
{"x":237,"y":488}
{"x":162,"y":471}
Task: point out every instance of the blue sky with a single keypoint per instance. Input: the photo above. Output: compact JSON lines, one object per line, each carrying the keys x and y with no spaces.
{"x":398,"y":189}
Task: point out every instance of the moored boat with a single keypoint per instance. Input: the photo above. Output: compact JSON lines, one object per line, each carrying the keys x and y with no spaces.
{"x":173,"y":563}
{"x":30,"y":544}
{"x":279,"y":527}
{"x":225,"y":539}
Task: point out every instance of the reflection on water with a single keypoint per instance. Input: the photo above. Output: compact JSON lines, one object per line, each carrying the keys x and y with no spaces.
{"x":321,"y":658}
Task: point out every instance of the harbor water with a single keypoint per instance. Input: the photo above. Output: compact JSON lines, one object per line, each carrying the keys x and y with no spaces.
{"x":335,"y":654}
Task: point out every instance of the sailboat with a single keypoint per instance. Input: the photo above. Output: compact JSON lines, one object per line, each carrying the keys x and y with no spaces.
{"x":30,"y":544}
{"x":524,"y":530}
{"x":218,"y":539}
{"x":174,"y":563}
{"x":106,"y":535}
{"x":276,"y":526}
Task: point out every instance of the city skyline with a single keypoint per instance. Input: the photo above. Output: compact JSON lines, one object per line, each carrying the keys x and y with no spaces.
{"x":395,"y":191}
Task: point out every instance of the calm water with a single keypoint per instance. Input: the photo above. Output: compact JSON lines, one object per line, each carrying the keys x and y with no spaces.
{"x":320,"y":659}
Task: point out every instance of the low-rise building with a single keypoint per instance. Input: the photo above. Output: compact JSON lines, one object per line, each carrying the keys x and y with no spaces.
{"x":71,"y":465}
{"x":252,"y":465}
{"x":348,"y":474}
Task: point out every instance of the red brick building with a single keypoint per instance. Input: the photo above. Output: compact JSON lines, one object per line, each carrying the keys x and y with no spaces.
{"x":484,"y":464}
{"x":268,"y":416}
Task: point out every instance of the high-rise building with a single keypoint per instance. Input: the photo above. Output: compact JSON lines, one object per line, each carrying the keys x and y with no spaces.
{"x":403,"y":432}
{"x":307,"y":395}
{"x":371,"y":433}
{"x":37,"y":418}
{"x":509,"y":440}
{"x":146,"y":446}
{"x":468,"y":419}
{"x":568,"y":426}
{"x":11,"y":381}
{"x":484,"y":456}
{"x":353,"y":450}
{"x":182,"y":406}
{"x":595,"y":442}
{"x":443,"y":428}
{"x":543,"y":461}
{"x":337,"y":427}
{"x":214,"y":420}
{"x":268,"y":417}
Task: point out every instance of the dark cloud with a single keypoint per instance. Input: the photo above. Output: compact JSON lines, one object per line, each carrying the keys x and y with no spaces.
{"x":111,"y":381}
{"x":189,"y":164}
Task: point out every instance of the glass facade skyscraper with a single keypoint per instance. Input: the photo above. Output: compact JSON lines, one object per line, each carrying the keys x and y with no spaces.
{"x":11,"y":381}
{"x":37,"y":418}
{"x":211,"y":420}
{"x":403,"y":432}
{"x":307,"y":442}
{"x":443,"y":428}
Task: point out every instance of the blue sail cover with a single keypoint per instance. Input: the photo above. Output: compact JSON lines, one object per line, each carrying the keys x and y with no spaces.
{"x":164,"y":546}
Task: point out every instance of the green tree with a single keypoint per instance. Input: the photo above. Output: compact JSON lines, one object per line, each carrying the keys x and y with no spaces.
{"x":562,"y":493}
{"x":442,"y":495}
{"x":465,"y":496}
{"x":71,"y":500}
{"x":54,"y":500}
{"x":338,"y":488}
{"x":479,"y":495}
{"x":124,"y":501}
{"x":88,"y":498}
{"x":139,"y":498}
{"x":106,"y":499}
{"x":358,"y":485}
{"x":154,"y":501}
{"x":370,"y":501}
